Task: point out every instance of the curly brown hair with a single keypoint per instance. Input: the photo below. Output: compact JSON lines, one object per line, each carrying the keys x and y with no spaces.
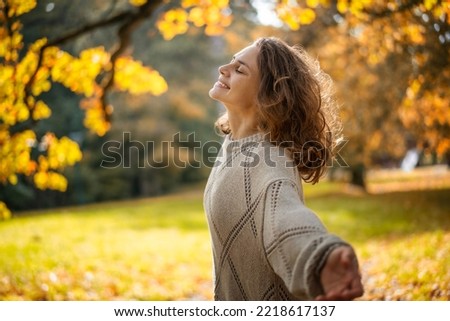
{"x":296,"y":106}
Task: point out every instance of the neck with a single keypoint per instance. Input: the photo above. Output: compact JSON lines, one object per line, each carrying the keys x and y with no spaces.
{"x":242,"y":126}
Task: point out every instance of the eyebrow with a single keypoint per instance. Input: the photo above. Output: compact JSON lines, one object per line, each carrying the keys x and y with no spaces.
{"x":241,"y":62}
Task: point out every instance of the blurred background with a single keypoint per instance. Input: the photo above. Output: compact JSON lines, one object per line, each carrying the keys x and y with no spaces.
{"x":102,"y":101}
{"x":390,"y":70}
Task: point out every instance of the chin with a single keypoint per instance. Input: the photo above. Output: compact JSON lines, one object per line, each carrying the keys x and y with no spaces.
{"x":213,"y":94}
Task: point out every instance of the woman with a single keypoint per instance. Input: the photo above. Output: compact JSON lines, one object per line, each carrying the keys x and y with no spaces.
{"x":280,"y":129}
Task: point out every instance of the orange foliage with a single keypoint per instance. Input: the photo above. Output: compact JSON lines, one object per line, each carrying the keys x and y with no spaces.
{"x":427,"y":112}
{"x":131,"y":75}
{"x":5,"y":213}
{"x":295,"y":15}
{"x":95,"y":118}
{"x":214,"y":15}
{"x":172,"y":23}
{"x":60,"y":153}
{"x":386,"y":28}
{"x":26,"y":73}
{"x":79,"y":74}
{"x":19,"y":7}
{"x":137,"y":3}
{"x":15,"y":154}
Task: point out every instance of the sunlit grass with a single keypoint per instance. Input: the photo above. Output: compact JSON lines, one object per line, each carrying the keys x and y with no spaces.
{"x":402,"y":239}
{"x":154,"y":249}
{"x":414,"y":267}
{"x":159,"y":248}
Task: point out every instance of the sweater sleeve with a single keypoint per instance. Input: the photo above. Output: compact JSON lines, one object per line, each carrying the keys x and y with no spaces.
{"x":295,"y":240}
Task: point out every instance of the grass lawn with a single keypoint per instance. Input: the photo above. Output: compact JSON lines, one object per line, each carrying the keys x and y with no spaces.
{"x":159,"y":248}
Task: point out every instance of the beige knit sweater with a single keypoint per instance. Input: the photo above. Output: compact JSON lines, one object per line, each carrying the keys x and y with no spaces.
{"x":266,"y":244}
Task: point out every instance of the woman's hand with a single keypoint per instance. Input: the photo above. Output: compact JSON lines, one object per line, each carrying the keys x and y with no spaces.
{"x":340,"y":276}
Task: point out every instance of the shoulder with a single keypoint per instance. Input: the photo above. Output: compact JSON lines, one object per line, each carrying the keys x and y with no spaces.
{"x":270,"y":161}
{"x":265,"y":164}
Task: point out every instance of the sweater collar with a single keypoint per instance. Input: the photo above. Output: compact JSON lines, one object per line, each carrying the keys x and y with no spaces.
{"x":258,"y":137}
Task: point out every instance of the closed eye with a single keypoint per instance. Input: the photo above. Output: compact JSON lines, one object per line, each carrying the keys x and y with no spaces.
{"x":239,"y":64}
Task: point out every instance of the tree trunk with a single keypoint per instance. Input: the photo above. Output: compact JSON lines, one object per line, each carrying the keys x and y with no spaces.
{"x":358,"y":178}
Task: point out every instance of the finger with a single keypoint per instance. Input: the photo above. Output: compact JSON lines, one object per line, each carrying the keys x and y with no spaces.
{"x":353,"y":289}
{"x":351,"y":294}
{"x":334,"y":295}
{"x":349,"y":258}
{"x":357,"y":286}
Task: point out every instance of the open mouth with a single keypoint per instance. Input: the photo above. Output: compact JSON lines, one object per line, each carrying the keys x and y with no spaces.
{"x":221,"y":85}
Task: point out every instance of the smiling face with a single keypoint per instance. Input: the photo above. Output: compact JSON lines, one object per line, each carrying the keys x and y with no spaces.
{"x":238,"y":83}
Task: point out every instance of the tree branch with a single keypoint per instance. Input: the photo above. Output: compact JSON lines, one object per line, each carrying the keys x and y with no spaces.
{"x":72,"y":35}
{"x":124,"y":33}
{"x":130,"y":19}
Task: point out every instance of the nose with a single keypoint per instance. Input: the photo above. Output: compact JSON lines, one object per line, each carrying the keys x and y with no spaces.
{"x":223,"y":70}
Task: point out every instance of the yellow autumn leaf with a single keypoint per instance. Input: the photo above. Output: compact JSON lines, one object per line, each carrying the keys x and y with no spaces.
{"x":213,"y":16}
{"x":16,"y":40}
{"x":4,"y":43}
{"x":135,"y":78}
{"x":5,"y":213}
{"x":43,"y":163}
{"x":356,"y":7}
{"x":312,"y":3}
{"x":442,"y":10}
{"x":429,"y":4}
{"x":173,"y":23}
{"x":137,"y":3}
{"x":41,"y":111}
{"x":15,"y":154}
{"x":24,"y":164}
{"x":196,"y":16}
{"x":31,"y":101}
{"x":306,"y":16}
{"x":16,"y":26}
{"x":63,"y":152}
{"x":4,"y":134}
{"x":190,"y":3}
{"x":415,"y":85}
{"x":56,"y":181}
{"x":37,"y":45}
{"x":342,"y":6}
{"x":13,"y":179}
{"x":40,"y":180}
{"x":22,"y":112}
{"x":222,"y":4}
{"x":50,"y":56}
{"x":415,"y":34}
{"x":40,"y":82}
{"x":19,"y":7}
{"x":285,"y":13}
{"x":291,"y":22}
{"x":10,"y":45}
{"x":295,"y":16}
{"x":6,"y":73}
{"x":79,"y":74}
{"x":95,"y":118}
